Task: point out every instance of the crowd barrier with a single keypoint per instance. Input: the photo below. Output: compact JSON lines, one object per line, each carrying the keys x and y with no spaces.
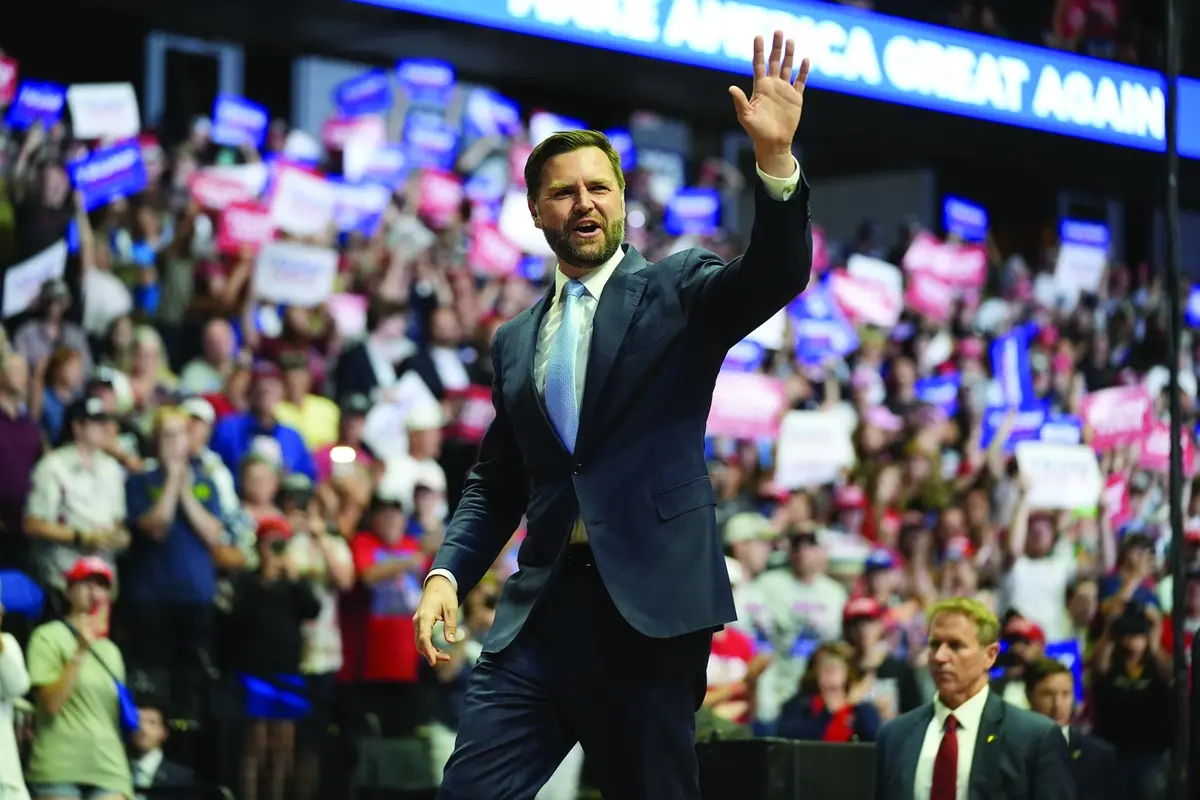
{"x":781,"y":769}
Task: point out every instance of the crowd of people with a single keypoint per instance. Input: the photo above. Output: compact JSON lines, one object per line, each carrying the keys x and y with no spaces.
{"x":209,"y":496}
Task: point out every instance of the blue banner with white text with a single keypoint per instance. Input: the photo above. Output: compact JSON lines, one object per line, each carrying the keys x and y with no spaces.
{"x":870,"y":55}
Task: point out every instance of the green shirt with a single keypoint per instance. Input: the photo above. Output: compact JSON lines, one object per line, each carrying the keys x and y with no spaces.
{"x":81,"y":744}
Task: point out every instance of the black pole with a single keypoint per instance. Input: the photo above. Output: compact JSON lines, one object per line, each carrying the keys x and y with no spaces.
{"x":1174,"y":276}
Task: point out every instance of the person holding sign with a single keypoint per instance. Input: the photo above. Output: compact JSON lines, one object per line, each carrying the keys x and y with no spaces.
{"x":601,"y":392}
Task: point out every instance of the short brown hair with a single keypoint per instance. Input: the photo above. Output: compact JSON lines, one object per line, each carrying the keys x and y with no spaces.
{"x":987,"y":626}
{"x":1044,"y":668}
{"x":561,"y":143}
{"x":839,"y":650}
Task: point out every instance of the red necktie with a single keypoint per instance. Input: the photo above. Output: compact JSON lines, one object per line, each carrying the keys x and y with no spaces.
{"x":945,"y":764}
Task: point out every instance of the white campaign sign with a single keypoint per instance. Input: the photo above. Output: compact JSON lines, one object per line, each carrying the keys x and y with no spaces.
{"x":1080,"y":268}
{"x":1060,"y":475}
{"x":814,"y":447}
{"x":23,"y":282}
{"x":295,"y":274}
{"x":104,"y":111}
{"x":304,"y":204}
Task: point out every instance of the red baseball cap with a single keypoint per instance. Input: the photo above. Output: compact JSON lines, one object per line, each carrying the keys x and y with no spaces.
{"x":1024,"y":630}
{"x":850,"y":498}
{"x":861,"y":608}
{"x":88,"y":567}
{"x":273,"y":528}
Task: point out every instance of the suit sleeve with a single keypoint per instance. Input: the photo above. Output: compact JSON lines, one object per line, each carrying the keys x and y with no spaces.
{"x":1051,"y":778}
{"x":881,"y":741}
{"x":731,"y":300}
{"x":494,"y":498}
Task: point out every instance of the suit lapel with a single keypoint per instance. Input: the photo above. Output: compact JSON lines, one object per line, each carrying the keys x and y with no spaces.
{"x":985,"y":761}
{"x":527,"y":358}
{"x":614,"y":312}
{"x":911,"y":752}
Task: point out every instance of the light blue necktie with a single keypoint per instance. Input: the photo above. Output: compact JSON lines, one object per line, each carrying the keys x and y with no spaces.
{"x":560,"y":368}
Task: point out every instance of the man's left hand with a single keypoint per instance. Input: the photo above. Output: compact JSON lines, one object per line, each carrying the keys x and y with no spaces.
{"x":772,"y":113}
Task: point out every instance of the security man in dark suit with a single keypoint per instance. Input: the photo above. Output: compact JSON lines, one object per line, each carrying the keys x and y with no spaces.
{"x":968,"y":744}
{"x":602,"y":393}
{"x":1050,"y":687}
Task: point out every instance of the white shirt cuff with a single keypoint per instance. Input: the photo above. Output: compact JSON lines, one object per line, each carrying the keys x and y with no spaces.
{"x":780,"y":188}
{"x":445,"y":573}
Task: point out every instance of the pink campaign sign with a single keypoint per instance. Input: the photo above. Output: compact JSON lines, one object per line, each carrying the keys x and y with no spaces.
{"x":441,"y":197}
{"x":963,"y":266}
{"x":929,"y":296}
{"x":747,"y":406}
{"x":1114,"y":500}
{"x":1118,"y":416}
{"x":1156,"y":450}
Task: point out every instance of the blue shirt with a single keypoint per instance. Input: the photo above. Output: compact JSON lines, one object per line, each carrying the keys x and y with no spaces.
{"x":54,"y":414}
{"x":234,"y":435}
{"x":180,"y":568}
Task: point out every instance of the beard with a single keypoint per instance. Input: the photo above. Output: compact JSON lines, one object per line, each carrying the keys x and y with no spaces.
{"x":591,"y":253}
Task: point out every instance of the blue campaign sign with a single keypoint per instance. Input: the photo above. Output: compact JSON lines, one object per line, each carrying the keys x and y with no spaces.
{"x":966,"y":220}
{"x":868,"y":55}
{"x":694,"y":212}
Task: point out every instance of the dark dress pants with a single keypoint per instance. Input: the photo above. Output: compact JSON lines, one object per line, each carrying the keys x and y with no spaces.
{"x":578,"y":672}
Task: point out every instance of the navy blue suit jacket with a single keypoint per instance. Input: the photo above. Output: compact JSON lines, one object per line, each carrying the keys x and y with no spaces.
{"x":638,"y":476}
{"x":1019,"y":755}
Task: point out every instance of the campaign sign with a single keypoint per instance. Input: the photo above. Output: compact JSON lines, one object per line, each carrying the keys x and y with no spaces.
{"x":429,"y":143}
{"x":359,"y":207}
{"x":1065,"y":476}
{"x":745,"y":356}
{"x":8,"y":79}
{"x":383,"y":164}
{"x":109,"y":174}
{"x":368,"y":129}
{"x":1011,"y":367}
{"x":963,"y":266}
{"x":1031,"y":425}
{"x":37,"y":101}
{"x":488,"y":113}
{"x":1082,"y":256}
{"x":23,"y":282}
{"x":822,"y":330}
{"x":1118,"y":416}
{"x":964,"y":219}
{"x":542,"y":124}
{"x":622,"y":142}
{"x":293,"y":274}
{"x":1191,"y":313}
{"x":238,"y":122}
{"x":693,"y":212}
{"x":746,"y":405}
{"x":369,"y":93}
{"x":441,"y":196}
{"x":492,"y":254}
{"x":427,"y":83}
{"x":244,"y":225}
{"x":940,"y":391}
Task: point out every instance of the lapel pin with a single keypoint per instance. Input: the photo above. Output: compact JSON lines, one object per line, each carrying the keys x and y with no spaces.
{"x":1075,"y":754}
{"x":991,"y":738}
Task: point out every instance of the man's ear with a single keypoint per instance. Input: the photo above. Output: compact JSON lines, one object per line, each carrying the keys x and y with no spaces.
{"x":533,"y":212}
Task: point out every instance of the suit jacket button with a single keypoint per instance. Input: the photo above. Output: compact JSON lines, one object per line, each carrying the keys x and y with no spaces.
{"x":578,"y":469}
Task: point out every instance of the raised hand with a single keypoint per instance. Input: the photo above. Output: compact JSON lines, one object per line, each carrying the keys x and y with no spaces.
{"x":772,"y":113}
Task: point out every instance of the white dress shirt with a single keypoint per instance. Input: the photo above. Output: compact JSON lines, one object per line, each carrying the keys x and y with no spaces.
{"x":969,"y":716}
{"x":146,"y":767}
{"x":779,"y":189}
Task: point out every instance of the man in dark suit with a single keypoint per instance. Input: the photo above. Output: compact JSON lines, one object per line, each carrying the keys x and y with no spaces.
{"x":150,"y":769}
{"x":968,"y":744}
{"x":1051,"y":690}
{"x":602,"y":393}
